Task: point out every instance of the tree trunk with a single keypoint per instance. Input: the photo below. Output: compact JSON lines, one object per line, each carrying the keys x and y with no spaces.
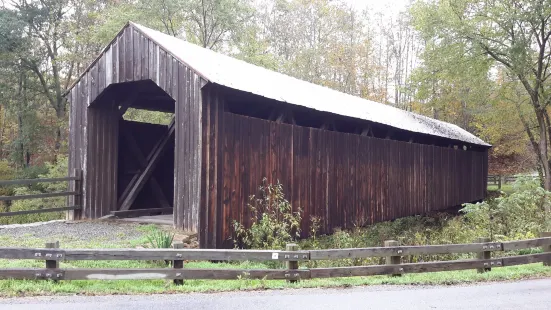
{"x":540,"y":174}
{"x":547,"y":180}
{"x":60,"y":113}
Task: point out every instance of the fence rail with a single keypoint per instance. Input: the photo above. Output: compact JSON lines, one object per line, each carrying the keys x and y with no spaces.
{"x":499,"y":180}
{"x":53,"y":255}
{"x":74,"y":190}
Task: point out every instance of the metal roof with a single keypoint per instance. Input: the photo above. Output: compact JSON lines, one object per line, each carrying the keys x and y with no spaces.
{"x":236,"y":74}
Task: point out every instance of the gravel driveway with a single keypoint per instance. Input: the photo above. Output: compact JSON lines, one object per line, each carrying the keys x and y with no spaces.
{"x":67,"y":232}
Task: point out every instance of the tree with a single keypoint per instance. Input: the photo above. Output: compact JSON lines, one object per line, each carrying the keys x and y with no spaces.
{"x":18,"y":95}
{"x":515,"y":35}
{"x":212,"y":23}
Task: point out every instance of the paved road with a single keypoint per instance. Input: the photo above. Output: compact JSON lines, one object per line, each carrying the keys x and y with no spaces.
{"x":532,"y":294}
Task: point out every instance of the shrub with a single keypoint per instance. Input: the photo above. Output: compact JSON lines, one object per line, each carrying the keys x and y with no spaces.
{"x":6,"y":173}
{"x":273,"y":221}
{"x":524,"y":211}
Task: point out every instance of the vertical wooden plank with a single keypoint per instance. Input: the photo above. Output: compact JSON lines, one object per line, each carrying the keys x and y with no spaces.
{"x":72,"y":99}
{"x":144,"y":53}
{"x":150,"y":60}
{"x":188,"y":150}
{"x":220,"y":116}
{"x":108,"y":66}
{"x":168,"y":86}
{"x":162,"y":68}
{"x":128,"y":54}
{"x":121,"y":63}
{"x":137,"y":52}
{"x":114,"y":158}
{"x":115,"y":61}
{"x":228,"y":170}
{"x":204,"y":227}
{"x":92,"y":163}
{"x":178,"y":203}
{"x":101,"y":153}
{"x":197,"y":142}
{"x":213,"y":186}
{"x":83,"y":136}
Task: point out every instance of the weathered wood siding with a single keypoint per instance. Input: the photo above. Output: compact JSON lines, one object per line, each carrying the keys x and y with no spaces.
{"x":344,"y":179}
{"x":134,"y":57}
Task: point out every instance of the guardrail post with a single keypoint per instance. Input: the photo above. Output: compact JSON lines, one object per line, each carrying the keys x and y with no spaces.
{"x":484,"y":254}
{"x":546,"y":248}
{"x":393,"y":260}
{"x":292,"y":265}
{"x":178,"y":263}
{"x":52,"y":264}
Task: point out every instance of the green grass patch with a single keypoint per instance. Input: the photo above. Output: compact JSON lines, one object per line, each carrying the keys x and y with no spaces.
{"x":11,"y":288}
{"x":507,"y":188}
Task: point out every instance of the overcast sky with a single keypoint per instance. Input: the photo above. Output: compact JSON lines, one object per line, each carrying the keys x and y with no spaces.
{"x":379,"y":5}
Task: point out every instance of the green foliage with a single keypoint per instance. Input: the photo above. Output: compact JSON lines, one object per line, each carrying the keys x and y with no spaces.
{"x":273,"y":221}
{"x":48,"y":171}
{"x":160,"y":239}
{"x":513,"y":38}
{"x":522,"y":214}
{"x":6,"y":173}
{"x":152,"y":117}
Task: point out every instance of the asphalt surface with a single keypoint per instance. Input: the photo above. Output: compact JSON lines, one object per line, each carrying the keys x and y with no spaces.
{"x":530,"y":294}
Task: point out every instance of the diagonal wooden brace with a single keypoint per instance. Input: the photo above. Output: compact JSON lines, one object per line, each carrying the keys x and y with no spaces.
{"x":139,"y":156}
{"x":152,"y":160}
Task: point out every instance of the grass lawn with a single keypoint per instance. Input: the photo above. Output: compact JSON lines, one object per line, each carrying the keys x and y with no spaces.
{"x":507,"y":188}
{"x":11,"y":288}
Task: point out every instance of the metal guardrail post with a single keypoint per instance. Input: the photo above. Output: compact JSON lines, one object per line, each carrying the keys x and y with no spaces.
{"x":393,"y":260}
{"x":292,"y":265}
{"x":484,"y":254}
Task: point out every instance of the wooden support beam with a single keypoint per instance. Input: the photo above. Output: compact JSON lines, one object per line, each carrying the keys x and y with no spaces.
{"x":152,"y":161}
{"x":286,"y":117}
{"x":280,"y":118}
{"x":329,"y":125}
{"x":155,"y":187}
{"x":273,"y":115}
{"x":141,"y":212}
{"x":291,"y":117}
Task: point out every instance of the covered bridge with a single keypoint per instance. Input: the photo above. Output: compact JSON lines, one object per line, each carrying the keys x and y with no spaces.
{"x":342,"y":158}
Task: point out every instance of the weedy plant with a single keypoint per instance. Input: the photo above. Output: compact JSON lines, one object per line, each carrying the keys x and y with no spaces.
{"x":273,"y":221}
{"x":160,"y":239}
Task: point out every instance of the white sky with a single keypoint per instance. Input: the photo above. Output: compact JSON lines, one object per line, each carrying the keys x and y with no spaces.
{"x":380,"y":5}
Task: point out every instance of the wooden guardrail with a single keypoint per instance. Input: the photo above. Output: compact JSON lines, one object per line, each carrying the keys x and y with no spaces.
{"x":292,"y":256}
{"x":73,"y":190}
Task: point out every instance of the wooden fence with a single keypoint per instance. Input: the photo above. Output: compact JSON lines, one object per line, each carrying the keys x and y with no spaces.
{"x":73,"y":190}
{"x":52,"y":255}
{"x":498,"y":180}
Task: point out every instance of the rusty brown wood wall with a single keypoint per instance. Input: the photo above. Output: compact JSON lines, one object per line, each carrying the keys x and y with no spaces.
{"x":132,"y":57}
{"x":344,"y":179}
